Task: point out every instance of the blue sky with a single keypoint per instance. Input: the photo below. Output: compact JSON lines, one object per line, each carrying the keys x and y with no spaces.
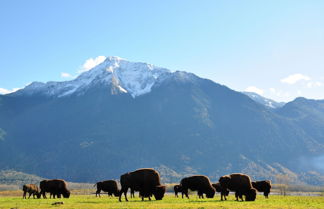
{"x":273,"y":47}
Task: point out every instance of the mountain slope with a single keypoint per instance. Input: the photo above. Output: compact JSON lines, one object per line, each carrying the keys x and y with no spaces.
{"x":186,"y":123}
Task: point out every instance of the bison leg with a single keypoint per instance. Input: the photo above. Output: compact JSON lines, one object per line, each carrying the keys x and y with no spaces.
{"x":24,"y":195}
{"x":29,"y":194}
{"x":125,"y":193}
{"x":121,"y":194}
{"x":98,"y":193}
{"x":266,"y":194}
{"x":132,"y":193}
{"x":186,"y":193}
{"x":223,"y":194}
{"x":238,"y":195}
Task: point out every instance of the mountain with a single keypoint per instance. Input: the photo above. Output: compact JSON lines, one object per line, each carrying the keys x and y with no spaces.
{"x":121,"y":115}
{"x":123,"y":76}
{"x":264,"y":101}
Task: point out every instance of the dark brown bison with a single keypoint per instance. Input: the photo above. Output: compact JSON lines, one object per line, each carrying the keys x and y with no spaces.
{"x":55,"y":187}
{"x":109,"y":186}
{"x":146,"y":181}
{"x":177,"y":188}
{"x":218,"y":187}
{"x":240,"y":184}
{"x":197,"y":183}
{"x":31,"y":189}
{"x":263,"y":186}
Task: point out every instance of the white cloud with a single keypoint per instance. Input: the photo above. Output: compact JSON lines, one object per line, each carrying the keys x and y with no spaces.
{"x":272,"y":90}
{"x":255,"y":90}
{"x":91,"y":62}
{"x":66,"y":75}
{"x":6,"y":91}
{"x":292,"y":79}
{"x":312,"y":84}
{"x":279,"y":93}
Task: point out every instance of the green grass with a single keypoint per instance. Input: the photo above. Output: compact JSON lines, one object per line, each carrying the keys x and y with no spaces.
{"x":169,"y":201}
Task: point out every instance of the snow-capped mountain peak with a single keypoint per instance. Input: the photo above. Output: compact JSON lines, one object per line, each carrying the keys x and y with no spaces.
{"x":264,"y":101}
{"x":135,"y":78}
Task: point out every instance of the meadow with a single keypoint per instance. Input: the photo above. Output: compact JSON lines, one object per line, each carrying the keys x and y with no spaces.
{"x":80,"y":201}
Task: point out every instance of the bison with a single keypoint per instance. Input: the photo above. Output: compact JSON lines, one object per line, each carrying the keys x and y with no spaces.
{"x":31,"y":189}
{"x":197,"y":183}
{"x":218,"y":188}
{"x":177,"y":188}
{"x":55,"y":187}
{"x":263,"y":186}
{"x":240,"y":184}
{"x":109,"y":186}
{"x":145,"y":180}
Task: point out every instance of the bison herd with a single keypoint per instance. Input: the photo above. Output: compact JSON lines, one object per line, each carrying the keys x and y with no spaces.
{"x":147,"y":182}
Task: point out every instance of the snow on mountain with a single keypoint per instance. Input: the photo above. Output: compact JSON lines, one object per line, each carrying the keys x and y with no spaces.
{"x":135,"y":78}
{"x":264,"y":101}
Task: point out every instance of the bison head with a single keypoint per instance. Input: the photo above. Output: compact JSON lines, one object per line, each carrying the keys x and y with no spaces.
{"x":224,"y":181}
{"x":116,"y":193}
{"x":66,"y":194}
{"x":250,"y":195}
{"x":178,"y":188}
{"x":211,"y":192}
{"x":159,"y":192}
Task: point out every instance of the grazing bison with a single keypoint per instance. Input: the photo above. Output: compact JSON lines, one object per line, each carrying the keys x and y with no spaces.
{"x":240,"y":184}
{"x":177,"y":188}
{"x":262,"y":186}
{"x":55,"y":187}
{"x":197,"y":183}
{"x":109,"y":186}
{"x":146,"y":181}
{"x":31,"y":189}
{"x":218,"y":187}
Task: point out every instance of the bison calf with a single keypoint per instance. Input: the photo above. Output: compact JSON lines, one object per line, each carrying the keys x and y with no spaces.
{"x":31,"y":189}
{"x":224,"y":192}
{"x":197,"y":183}
{"x":109,"y":186}
{"x":177,"y":189}
{"x":263,"y":186}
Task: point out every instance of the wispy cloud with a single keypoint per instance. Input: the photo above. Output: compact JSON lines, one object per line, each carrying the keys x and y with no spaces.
{"x":6,"y":91}
{"x":91,"y":62}
{"x":279,"y":93}
{"x":292,"y":79}
{"x":313,"y":84}
{"x":255,"y":90}
{"x":66,"y":75}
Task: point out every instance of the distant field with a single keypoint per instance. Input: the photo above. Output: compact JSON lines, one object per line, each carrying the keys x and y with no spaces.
{"x":169,"y":201}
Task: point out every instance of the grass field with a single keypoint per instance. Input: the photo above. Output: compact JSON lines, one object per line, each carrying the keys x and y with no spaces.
{"x":169,"y":201}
